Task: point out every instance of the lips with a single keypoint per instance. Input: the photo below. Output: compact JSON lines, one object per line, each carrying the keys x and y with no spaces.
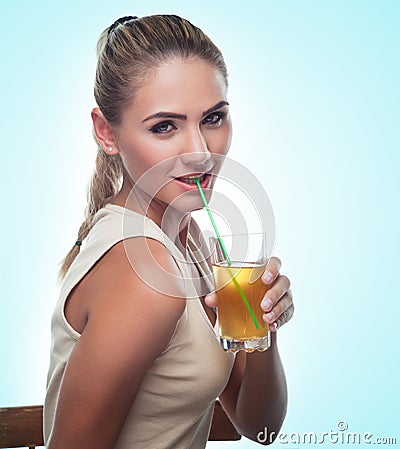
{"x":191,"y":179}
{"x":188,"y":182}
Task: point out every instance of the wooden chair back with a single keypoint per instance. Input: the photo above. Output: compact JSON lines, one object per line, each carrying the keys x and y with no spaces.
{"x":22,"y":426}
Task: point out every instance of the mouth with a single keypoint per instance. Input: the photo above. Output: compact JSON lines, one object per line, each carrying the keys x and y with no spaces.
{"x":191,"y":179}
{"x":188,"y":182}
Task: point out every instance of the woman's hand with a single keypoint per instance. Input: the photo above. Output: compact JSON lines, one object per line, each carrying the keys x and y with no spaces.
{"x":277,"y":302}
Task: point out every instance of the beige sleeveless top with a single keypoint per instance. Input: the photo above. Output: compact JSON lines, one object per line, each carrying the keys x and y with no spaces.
{"x":174,"y":404}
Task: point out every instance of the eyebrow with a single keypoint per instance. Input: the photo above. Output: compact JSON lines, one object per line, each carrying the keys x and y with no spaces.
{"x":163,"y":114}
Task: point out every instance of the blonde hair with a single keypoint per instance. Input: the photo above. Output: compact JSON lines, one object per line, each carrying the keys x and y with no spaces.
{"x":128,"y":52}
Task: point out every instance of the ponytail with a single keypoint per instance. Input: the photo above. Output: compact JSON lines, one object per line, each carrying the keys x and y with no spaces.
{"x":104,"y":185}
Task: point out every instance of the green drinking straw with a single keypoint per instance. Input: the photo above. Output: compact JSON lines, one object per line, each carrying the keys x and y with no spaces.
{"x":239,"y":289}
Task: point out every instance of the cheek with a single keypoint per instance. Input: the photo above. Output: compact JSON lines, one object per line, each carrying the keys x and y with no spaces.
{"x":138,"y":155}
{"x":229,"y":136}
{"x":134,"y":161}
{"x":224,"y":139}
{"x":149,"y":162}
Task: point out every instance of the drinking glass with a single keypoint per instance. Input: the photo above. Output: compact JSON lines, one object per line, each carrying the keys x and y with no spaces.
{"x":238,"y":262}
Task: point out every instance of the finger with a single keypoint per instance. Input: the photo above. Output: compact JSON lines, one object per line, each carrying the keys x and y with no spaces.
{"x":275,"y":293}
{"x":211,"y":300}
{"x":272,"y":270}
{"x":280,"y":308}
{"x":284,"y":318}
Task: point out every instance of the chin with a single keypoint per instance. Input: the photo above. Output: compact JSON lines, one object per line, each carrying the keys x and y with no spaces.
{"x":185,"y":204}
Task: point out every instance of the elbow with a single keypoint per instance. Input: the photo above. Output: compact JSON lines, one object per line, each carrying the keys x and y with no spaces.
{"x":262,"y":432}
{"x":264,"y":436}
{"x":263,"y":425}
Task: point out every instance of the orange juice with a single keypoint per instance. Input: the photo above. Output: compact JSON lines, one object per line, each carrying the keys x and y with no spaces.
{"x":235,"y":321}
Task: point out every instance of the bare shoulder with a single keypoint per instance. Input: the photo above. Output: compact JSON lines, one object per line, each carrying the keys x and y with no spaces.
{"x":129,"y":323}
{"x":138,"y":272}
{"x":135,"y":294}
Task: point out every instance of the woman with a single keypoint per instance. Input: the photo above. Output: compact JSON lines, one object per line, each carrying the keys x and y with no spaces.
{"x":134,"y":362}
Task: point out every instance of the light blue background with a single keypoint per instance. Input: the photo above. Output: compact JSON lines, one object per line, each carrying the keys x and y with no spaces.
{"x":314,"y":93}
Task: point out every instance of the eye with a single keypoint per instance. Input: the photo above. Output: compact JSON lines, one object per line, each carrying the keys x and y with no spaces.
{"x":214,"y":118}
{"x":162,"y":128}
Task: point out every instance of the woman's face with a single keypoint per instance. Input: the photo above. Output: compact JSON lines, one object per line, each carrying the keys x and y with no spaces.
{"x":178,"y":127}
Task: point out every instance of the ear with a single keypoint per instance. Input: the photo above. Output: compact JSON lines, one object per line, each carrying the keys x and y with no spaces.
{"x":104,"y":133}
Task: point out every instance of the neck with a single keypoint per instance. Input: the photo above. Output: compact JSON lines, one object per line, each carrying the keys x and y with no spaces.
{"x":175,"y":224}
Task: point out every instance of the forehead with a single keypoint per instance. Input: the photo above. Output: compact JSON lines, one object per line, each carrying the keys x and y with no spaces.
{"x":181,"y":86}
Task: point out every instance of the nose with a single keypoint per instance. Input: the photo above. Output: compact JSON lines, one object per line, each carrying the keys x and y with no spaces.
{"x":195,"y":150}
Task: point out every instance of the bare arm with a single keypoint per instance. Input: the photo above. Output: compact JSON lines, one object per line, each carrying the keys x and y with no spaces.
{"x":129,"y":324}
{"x":255,"y":398}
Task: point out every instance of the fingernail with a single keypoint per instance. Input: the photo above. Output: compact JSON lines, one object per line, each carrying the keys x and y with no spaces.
{"x":267,"y":277}
{"x":270,"y":316}
{"x":266,"y":304}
